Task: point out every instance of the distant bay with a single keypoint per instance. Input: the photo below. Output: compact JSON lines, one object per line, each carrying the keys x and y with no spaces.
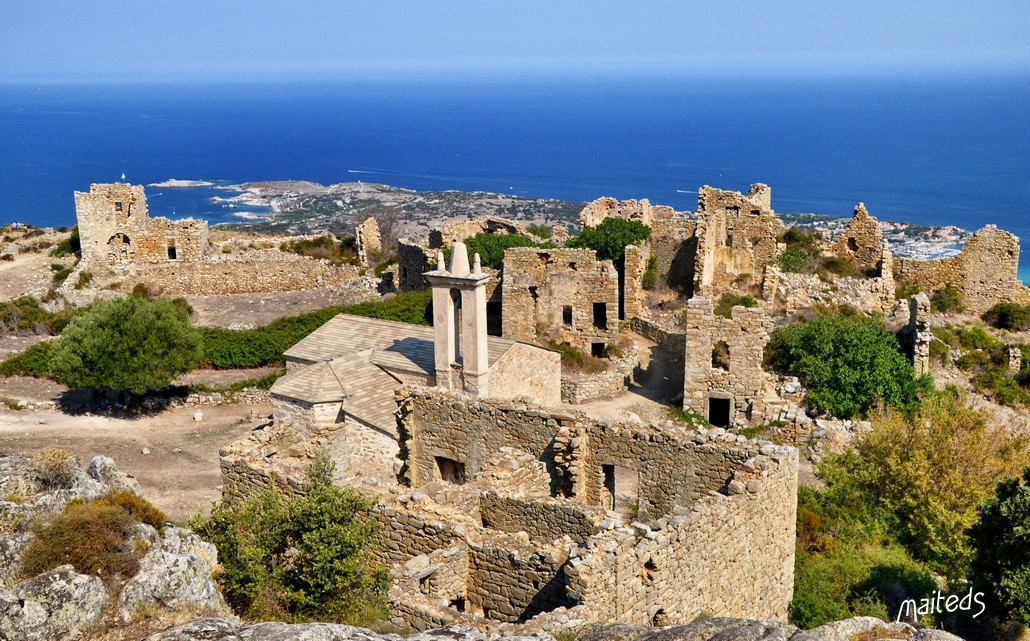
{"x":931,"y":151}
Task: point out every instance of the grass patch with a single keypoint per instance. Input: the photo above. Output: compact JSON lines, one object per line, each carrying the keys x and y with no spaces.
{"x":577,"y":361}
{"x":93,"y":537}
{"x":343,"y":252}
{"x":728,"y":301}
{"x":689,"y":417}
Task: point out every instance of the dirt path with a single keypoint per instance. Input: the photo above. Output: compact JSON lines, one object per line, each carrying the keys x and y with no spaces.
{"x":648,"y":397}
{"x":179,"y":474}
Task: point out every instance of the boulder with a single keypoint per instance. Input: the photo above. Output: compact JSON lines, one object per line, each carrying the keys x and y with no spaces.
{"x":11,"y":549}
{"x":103,"y":469}
{"x":52,"y":606}
{"x":175,"y":573}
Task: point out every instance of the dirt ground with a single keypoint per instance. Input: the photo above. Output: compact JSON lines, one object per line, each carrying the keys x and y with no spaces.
{"x":179,"y":474}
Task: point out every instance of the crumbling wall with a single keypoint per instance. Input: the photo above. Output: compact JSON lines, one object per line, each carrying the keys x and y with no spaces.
{"x":252,"y":271}
{"x":413,"y":260}
{"x":984,"y":273}
{"x":565,"y":293}
{"x":862,"y":240}
{"x":641,"y":211}
{"x":115,"y":229}
{"x":634,"y":302}
{"x":736,"y":236}
{"x":542,"y":518}
{"x":674,"y":245}
{"x":368,"y":241}
{"x":683,"y":567}
{"x":724,"y":360}
{"x":511,"y":579}
{"x":527,"y":372}
{"x":916,"y":336}
{"x":457,"y":232}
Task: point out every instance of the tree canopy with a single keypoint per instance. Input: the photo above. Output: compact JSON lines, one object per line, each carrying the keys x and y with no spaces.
{"x":609,"y":239}
{"x":1001,"y":538}
{"x":848,"y":365}
{"x":129,"y":345}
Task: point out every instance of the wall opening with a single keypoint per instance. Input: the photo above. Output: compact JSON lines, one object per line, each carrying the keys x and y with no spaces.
{"x":721,"y":355}
{"x":456,"y":306}
{"x":494,"y":322}
{"x":171,"y":251}
{"x":853,"y":244}
{"x":118,"y":205}
{"x":719,"y":411}
{"x":450,"y":470}
{"x":601,"y":315}
{"x":756,"y":212}
{"x":566,"y":316}
{"x":458,"y":604}
{"x":648,"y":572}
{"x":597,"y":350}
{"x":620,"y":484}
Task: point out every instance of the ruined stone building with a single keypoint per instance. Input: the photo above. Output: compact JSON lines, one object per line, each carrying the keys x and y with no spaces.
{"x":985,"y":273}
{"x":862,"y":241}
{"x":564,"y":293}
{"x":641,"y":211}
{"x":737,"y":236}
{"x":497,"y":507}
{"x":724,"y":380}
{"x":115,"y":229}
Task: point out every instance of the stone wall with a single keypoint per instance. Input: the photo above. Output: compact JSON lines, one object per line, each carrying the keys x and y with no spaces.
{"x":115,"y":229}
{"x":984,"y":273}
{"x":527,"y":372}
{"x":577,"y":388}
{"x":544,"y":519}
{"x":368,"y":241}
{"x":456,"y":232}
{"x":737,"y":235}
{"x":253,"y":271}
{"x":564,"y":293}
{"x":641,"y":211}
{"x":683,"y":567}
{"x":635,"y":264}
{"x":736,"y":372}
{"x":674,"y":245}
{"x":511,"y":579}
{"x":861,"y":241}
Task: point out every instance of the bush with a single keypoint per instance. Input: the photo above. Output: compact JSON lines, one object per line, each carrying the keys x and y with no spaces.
{"x":53,"y":468}
{"x":578,"y":361}
{"x":140,"y":509}
{"x":649,"y":281}
{"x":300,"y":558}
{"x":847,"y":365}
{"x":1010,"y":316}
{"x":609,"y":239}
{"x":1001,"y":540}
{"x":141,"y":291}
{"x":728,"y":301}
{"x":34,"y":361}
{"x":85,"y":278}
{"x":93,"y":537}
{"x":923,"y":476}
{"x":129,"y":345}
{"x":491,"y":247}
{"x":540,"y":231}
{"x":946,"y":300}
{"x":323,"y":247}
{"x":67,"y":246}
{"x":792,"y":260}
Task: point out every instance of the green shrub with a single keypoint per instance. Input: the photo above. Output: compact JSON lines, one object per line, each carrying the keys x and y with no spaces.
{"x":688,"y":416}
{"x":300,"y":558}
{"x":324,"y":247}
{"x":610,"y":237}
{"x":491,"y":247}
{"x":728,"y":301}
{"x":837,"y":266}
{"x":649,"y":280}
{"x":67,"y":246}
{"x":946,"y":300}
{"x":792,"y":260}
{"x":129,"y":345}
{"x":85,"y":278}
{"x":141,"y":291}
{"x":848,"y":366}
{"x":95,"y":538}
{"x":577,"y":361}
{"x":1010,"y":316}
{"x":540,"y":231}
{"x":975,"y":338}
{"x":1001,"y":540}
{"x":60,"y":274}
{"x":34,"y":361}
{"x":922,"y":477}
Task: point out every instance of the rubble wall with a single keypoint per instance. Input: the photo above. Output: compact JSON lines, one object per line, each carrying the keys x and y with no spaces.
{"x":529,"y":372}
{"x":270,"y":272}
{"x":542,"y":518}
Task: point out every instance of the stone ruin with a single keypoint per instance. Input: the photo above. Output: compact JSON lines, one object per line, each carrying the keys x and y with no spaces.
{"x":115,"y":229}
{"x":368,"y":241}
{"x":862,"y":241}
{"x":984,"y":273}
{"x":916,"y":336}
{"x":641,"y":211}
{"x":724,"y":380}
{"x":561,"y":292}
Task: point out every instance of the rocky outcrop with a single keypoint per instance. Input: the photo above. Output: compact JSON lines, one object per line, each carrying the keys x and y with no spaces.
{"x":721,"y":629}
{"x":174,"y":574}
{"x":52,"y":606}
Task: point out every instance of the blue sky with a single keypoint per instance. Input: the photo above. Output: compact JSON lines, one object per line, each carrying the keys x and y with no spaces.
{"x":218,"y":39}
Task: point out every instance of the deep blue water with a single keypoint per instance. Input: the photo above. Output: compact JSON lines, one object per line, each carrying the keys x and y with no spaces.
{"x":930,"y":151}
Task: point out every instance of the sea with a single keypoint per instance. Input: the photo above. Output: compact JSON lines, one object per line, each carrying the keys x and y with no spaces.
{"x":930,"y":150}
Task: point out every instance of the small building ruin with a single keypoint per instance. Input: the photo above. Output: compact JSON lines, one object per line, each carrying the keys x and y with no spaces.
{"x":116,"y":230}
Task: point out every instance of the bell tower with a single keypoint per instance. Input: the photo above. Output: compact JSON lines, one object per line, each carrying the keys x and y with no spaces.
{"x":459,"y":323}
